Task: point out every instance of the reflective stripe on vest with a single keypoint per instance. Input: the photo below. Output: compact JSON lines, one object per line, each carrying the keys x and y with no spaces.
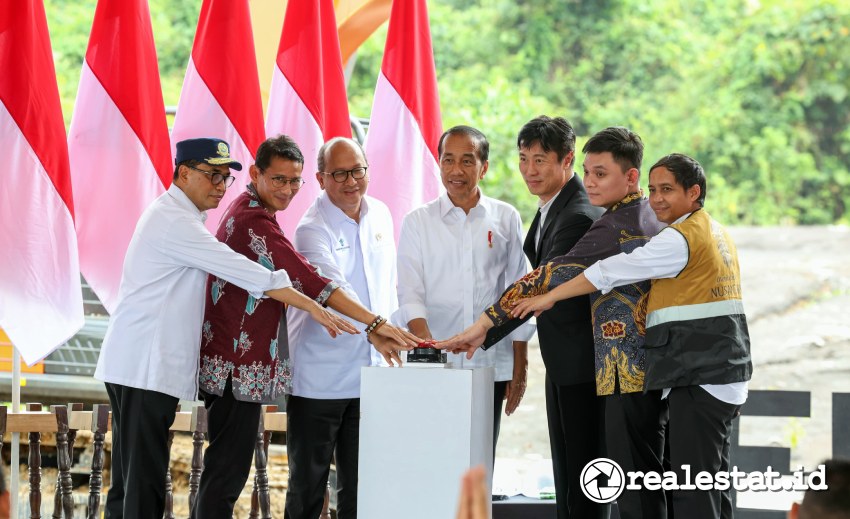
{"x":696,"y":311}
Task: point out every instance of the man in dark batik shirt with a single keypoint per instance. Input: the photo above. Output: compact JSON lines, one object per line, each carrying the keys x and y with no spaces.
{"x":634,"y":421}
{"x":244,"y":344}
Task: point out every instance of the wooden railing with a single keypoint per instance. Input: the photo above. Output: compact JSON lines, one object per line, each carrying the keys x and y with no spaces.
{"x":66,"y":421}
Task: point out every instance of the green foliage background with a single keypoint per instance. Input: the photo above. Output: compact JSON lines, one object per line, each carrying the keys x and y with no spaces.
{"x":756,"y":90}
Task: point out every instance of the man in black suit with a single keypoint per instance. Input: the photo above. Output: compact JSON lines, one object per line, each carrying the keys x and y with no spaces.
{"x":575,"y":414}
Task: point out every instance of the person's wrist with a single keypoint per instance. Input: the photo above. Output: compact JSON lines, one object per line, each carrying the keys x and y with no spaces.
{"x":485,"y":322}
{"x":374,"y":325}
{"x":370,"y":319}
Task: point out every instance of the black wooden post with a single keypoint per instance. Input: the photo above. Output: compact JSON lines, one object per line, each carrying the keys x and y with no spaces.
{"x":199,"y":429}
{"x":35,"y":468}
{"x":99,"y":425}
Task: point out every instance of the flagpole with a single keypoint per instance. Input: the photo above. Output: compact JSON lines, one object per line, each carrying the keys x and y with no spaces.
{"x":14,"y":466}
{"x":349,"y":68}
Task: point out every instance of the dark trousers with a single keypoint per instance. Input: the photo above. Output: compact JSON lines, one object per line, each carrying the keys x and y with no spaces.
{"x":316,"y":431}
{"x":499,"y":390}
{"x":227,"y":461}
{"x":634,"y":432}
{"x":699,"y":433}
{"x":140,"y":422}
{"x":576,"y":428}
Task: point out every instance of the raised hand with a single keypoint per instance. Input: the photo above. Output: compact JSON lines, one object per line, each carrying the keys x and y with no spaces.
{"x":474,"y":500}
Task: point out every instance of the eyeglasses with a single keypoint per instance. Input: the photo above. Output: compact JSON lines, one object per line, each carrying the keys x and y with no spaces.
{"x":341,"y":175}
{"x":280,"y":181}
{"x":215,"y":177}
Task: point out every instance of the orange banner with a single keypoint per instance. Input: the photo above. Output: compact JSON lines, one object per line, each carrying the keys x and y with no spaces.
{"x":6,"y":357}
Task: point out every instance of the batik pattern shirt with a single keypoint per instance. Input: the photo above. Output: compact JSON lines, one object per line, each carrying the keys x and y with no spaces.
{"x":244,"y":337}
{"x":619,"y":355}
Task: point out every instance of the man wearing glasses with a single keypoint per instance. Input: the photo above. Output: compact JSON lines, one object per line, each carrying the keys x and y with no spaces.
{"x":244,"y":342}
{"x":349,"y":236}
{"x":149,"y":357}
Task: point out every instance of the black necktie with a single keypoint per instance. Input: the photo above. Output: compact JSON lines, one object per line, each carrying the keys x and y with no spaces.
{"x":538,"y":231}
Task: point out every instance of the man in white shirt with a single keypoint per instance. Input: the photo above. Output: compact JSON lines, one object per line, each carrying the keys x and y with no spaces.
{"x":456,"y":254}
{"x":149,"y":357}
{"x":349,"y":237}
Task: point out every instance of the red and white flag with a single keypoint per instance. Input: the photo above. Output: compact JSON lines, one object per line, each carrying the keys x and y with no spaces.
{"x":405,"y":126}
{"x":41,"y":303}
{"x":118,"y":141}
{"x":221,"y":91}
{"x":307,"y":99}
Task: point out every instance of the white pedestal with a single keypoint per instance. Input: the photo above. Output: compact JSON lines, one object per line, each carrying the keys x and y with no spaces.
{"x":420,"y":430}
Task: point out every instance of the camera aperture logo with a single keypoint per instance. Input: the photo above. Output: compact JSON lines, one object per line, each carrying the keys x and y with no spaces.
{"x":602,"y":480}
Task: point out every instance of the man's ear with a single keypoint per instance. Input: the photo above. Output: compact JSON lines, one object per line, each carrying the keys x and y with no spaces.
{"x":568,"y":160}
{"x":321,"y":178}
{"x":484,"y":170}
{"x":633,"y":175}
{"x":254,"y":172}
{"x":693,"y":193}
{"x":182,"y":175}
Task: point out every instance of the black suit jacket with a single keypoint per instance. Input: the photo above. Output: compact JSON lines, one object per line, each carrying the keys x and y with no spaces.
{"x":565,"y":331}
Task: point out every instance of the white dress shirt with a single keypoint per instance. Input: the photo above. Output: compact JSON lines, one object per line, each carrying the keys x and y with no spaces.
{"x":361,"y":259}
{"x":664,"y":256}
{"x":154,"y":336}
{"x":544,"y":211}
{"x":453,"y":265}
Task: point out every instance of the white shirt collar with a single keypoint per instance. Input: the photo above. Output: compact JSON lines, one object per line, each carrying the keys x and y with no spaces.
{"x":682,"y":218}
{"x":337,"y":215}
{"x":183,"y":201}
{"x":544,"y":208}
{"x":446,"y":204}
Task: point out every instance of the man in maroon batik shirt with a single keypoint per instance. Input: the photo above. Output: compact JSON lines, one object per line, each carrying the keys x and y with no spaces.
{"x":244,"y":345}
